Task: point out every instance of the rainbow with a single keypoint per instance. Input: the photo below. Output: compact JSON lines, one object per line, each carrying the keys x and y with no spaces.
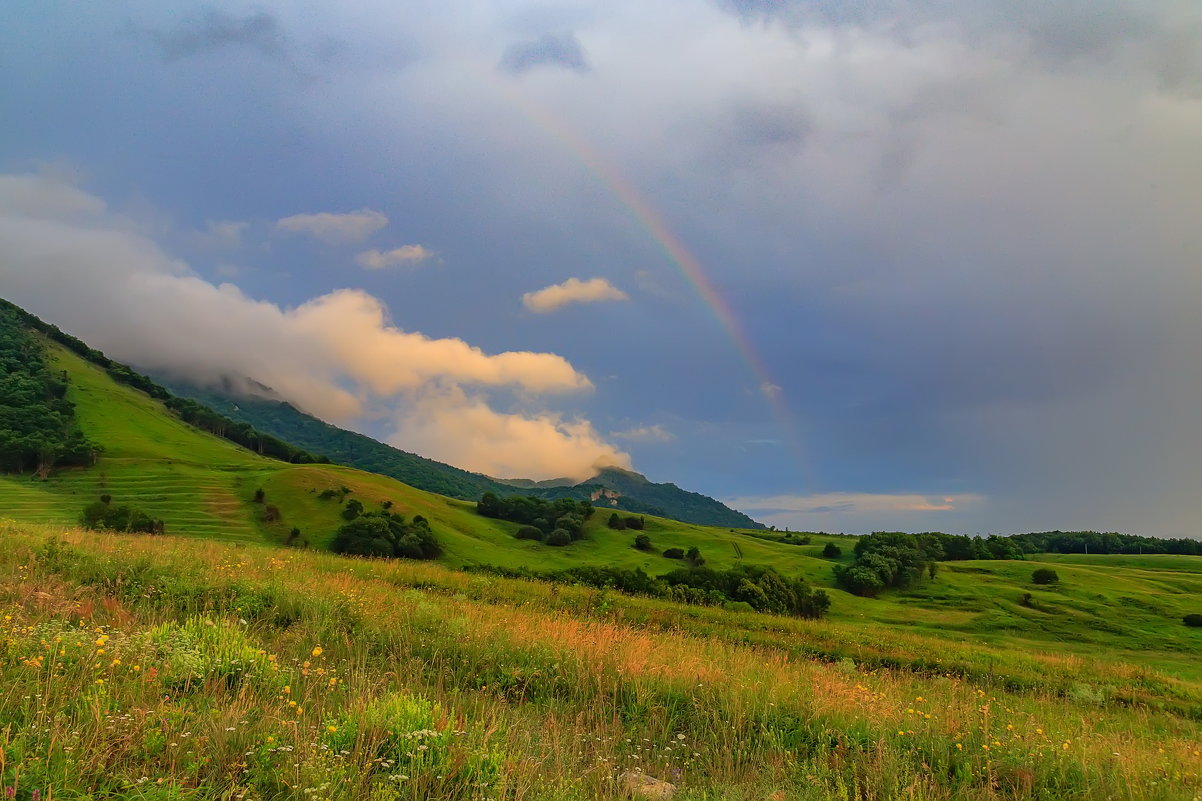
{"x":679,"y":255}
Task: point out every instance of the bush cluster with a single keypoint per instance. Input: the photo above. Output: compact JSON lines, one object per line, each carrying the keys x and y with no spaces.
{"x":103,"y":515}
{"x":619,"y":523}
{"x":558,"y":522}
{"x":385,"y":534}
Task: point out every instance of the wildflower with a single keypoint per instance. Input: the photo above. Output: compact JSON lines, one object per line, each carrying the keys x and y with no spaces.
{"x":959,"y":747}
{"x":317,"y":651}
{"x":331,"y":729}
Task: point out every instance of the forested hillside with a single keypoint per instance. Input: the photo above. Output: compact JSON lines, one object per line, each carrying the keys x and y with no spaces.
{"x":619,"y":489}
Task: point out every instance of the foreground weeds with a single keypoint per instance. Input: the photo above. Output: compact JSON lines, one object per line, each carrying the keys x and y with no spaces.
{"x":132,"y":668}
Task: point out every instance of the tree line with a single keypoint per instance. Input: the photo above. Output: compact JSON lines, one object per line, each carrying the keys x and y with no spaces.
{"x":38,"y":429}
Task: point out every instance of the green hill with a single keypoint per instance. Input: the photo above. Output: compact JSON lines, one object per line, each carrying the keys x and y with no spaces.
{"x":253,"y":403}
{"x":202,"y":485}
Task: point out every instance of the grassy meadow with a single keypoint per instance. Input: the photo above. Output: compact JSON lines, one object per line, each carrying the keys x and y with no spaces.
{"x":161,"y":667}
{"x":213,"y":663}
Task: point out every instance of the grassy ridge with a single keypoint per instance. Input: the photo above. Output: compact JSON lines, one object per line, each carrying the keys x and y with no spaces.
{"x":170,"y":668}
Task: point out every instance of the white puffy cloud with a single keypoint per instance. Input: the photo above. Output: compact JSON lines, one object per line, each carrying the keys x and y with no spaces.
{"x":337,"y":355}
{"x":381,"y":259}
{"x":573,"y":290}
{"x":335,"y":229}
{"x":461,"y":429}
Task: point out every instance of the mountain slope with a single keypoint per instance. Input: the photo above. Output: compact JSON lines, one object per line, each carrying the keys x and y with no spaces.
{"x":618,"y":489}
{"x":202,"y":485}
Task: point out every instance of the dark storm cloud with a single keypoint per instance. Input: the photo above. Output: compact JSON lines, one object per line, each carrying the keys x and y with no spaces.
{"x":549,"y":50}
{"x":215,"y":30}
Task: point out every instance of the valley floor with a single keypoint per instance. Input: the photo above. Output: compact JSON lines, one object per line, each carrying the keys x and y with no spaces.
{"x":178,"y":668}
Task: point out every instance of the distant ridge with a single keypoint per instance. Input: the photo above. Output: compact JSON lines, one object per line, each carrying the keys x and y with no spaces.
{"x":251,"y":402}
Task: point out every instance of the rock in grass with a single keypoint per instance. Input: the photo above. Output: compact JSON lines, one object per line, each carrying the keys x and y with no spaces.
{"x":640,"y":785}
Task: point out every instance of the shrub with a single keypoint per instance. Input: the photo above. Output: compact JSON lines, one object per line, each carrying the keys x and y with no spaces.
{"x":636,"y":523}
{"x":102,"y":515}
{"x":1193,"y":620}
{"x":411,"y":736}
{"x":353,"y":509}
{"x":642,"y":542}
{"x":616,"y":522}
{"x":694,"y":556}
{"x":1045,"y":575}
{"x":559,"y":537}
{"x":832,"y":551}
{"x":191,"y":654}
{"x":529,"y":533}
{"x":260,"y":495}
{"x":271,"y":514}
{"x":674,"y":553}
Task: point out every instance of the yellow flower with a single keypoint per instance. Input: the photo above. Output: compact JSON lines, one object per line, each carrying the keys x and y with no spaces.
{"x":959,"y":747}
{"x":317,"y":651}
{"x":331,"y":729}
{"x":300,"y":710}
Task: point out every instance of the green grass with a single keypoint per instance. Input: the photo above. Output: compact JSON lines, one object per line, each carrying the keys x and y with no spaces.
{"x":171,"y":668}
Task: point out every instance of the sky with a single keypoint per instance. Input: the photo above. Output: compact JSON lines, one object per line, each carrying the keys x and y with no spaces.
{"x":846,"y":266}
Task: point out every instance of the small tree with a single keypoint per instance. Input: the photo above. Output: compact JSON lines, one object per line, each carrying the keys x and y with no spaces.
{"x":616,"y":522}
{"x":674,"y":553}
{"x":636,"y":523}
{"x":260,"y":495}
{"x":694,"y":557}
{"x":529,"y":533}
{"x":1193,"y":620}
{"x":1045,"y":575}
{"x":353,"y":509}
{"x":559,"y":537}
{"x":642,"y":542}
{"x":832,"y":551}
